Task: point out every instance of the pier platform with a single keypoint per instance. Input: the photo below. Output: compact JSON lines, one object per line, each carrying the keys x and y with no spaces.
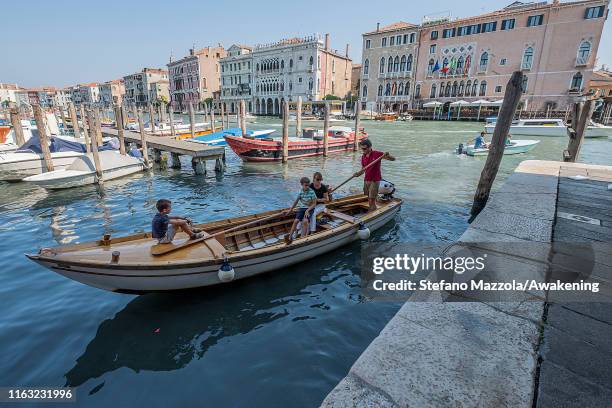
{"x":199,"y":153}
{"x":537,"y":351}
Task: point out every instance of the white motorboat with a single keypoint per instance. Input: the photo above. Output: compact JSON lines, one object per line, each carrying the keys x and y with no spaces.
{"x":515,"y":147}
{"x":549,"y":127}
{"x":82,"y":171}
{"x":28,"y":159}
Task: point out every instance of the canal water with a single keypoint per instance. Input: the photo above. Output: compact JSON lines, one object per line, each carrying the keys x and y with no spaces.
{"x":284,"y":339}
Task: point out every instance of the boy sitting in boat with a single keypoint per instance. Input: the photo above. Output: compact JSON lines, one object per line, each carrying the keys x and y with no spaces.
{"x":323,"y":196}
{"x":479,"y":142}
{"x":305,"y":202}
{"x":165,"y":227}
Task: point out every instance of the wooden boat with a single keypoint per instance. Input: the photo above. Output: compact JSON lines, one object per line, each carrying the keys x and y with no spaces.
{"x":272,"y":149}
{"x":386,"y":116}
{"x":82,"y":171}
{"x":217,"y":138}
{"x":254,"y":246}
{"x":516,"y":147}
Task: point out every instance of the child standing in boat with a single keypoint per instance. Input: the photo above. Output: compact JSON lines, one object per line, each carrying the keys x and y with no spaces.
{"x":165,"y":227}
{"x":305,"y":202}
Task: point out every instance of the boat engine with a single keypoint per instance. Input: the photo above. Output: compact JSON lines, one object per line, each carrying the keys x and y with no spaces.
{"x":386,"y":189}
{"x":460,"y":148}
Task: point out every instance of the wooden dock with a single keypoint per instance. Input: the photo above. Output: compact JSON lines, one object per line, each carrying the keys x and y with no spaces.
{"x":200,"y":153}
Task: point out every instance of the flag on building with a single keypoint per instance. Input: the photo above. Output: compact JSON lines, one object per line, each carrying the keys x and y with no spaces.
{"x":436,"y":66}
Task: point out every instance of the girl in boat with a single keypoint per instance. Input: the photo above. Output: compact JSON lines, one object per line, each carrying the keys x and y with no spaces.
{"x":305,"y":202}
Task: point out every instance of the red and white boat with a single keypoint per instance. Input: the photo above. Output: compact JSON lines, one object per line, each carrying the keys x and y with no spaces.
{"x":341,"y":138}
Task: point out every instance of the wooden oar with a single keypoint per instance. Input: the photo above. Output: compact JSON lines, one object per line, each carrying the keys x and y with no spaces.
{"x":353,"y":176}
{"x":162,"y":249}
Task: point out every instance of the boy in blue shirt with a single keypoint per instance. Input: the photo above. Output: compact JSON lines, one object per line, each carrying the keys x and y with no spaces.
{"x":164,"y":227}
{"x":479,"y":142}
{"x":305,"y":202}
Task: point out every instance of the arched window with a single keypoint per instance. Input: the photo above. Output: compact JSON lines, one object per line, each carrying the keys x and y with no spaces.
{"x":403,"y":63}
{"x":257,"y":67}
{"x":319,"y":62}
{"x":257,"y":87}
{"x":290,"y":86}
{"x":432,"y":93}
{"x":430,"y":66}
{"x":396,"y":64}
{"x":527,"y":58}
{"x":407,"y":89}
{"x":460,"y":65}
{"x":484,"y":61}
{"x":364,"y":92}
{"x":584,"y":52}
{"x":468,"y":87}
{"x":366,"y":67}
{"x":388,"y":90}
{"x":417,"y":91}
{"x":310,"y":84}
{"x":381,"y":68}
{"x":311,"y":61}
{"x":474,"y":87}
{"x":390,"y":64}
{"x":454,"y":89}
{"x":409,"y":63}
{"x":291,"y":63}
{"x":441,"y":90}
{"x":394,"y":89}
{"x":282,"y":64}
{"x":400,"y":89}
{"x":483,"y":88}
{"x":282,"y":85}
{"x":447,"y":91}
{"x":380,"y":90}
{"x":445,"y":66}
{"x":461,"y":88}
{"x":576,"y":81}
{"x":525,"y":84}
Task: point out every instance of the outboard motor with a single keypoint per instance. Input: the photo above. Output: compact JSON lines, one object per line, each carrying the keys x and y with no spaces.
{"x":460,"y":148}
{"x":386,"y":189}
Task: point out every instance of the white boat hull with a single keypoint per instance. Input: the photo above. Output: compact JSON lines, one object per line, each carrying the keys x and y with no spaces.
{"x":518,"y":146}
{"x":17,"y":166}
{"x":553,"y":131}
{"x":145,"y":279}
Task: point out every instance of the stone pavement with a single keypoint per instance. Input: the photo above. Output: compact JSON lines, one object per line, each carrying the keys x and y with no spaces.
{"x":489,"y":353}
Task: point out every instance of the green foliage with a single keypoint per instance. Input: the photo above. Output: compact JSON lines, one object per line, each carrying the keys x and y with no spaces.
{"x":330,"y":97}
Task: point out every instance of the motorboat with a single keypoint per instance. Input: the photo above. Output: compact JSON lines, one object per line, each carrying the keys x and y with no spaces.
{"x":514,"y":147}
{"x":28,"y":160}
{"x":549,"y":127}
{"x":82,"y":171}
{"x":218,"y":138}
{"x":231,"y":249}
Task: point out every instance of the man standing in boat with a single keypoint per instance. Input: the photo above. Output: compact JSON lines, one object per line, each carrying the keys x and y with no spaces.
{"x":373,"y":174}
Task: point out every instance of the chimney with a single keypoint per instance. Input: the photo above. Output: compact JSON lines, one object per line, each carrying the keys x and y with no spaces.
{"x":347,"y":50}
{"x":191,"y":51}
{"x":377,"y":27}
{"x":327,"y":42}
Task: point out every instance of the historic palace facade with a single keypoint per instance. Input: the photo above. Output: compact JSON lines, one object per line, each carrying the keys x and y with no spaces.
{"x":553,"y":44}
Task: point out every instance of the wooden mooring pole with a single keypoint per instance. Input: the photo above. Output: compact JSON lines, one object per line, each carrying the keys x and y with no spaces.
{"x":94,"y":122}
{"x":357,"y":124}
{"x":222,"y":114}
{"x":512,"y":98}
{"x":42,"y":135}
{"x":151,"y":118}
{"x":326,"y":129}
{"x":298,"y":117}
{"x":118,"y":125}
{"x":581,"y":114}
{"x":212,"y":117}
{"x":17,"y":128}
{"x":171,"y":118}
{"x":143,"y":138}
{"x":74,"y":120}
{"x":191,"y":119}
{"x":285,"y":131}
{"x":243,"y":118}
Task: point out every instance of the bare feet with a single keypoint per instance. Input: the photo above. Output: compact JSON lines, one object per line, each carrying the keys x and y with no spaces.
{"x":288,"y":239}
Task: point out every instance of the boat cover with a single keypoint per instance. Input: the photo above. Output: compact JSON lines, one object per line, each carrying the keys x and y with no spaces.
{"x":58,"y":144}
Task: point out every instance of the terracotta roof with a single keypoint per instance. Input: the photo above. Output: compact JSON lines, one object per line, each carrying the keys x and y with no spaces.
{"x":602,"y":76}
{"x":394,"y":26}
{"x":248,"y":47}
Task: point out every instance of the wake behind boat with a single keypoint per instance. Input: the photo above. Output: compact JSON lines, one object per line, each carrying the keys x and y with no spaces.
{"x":127,"y":264}
{"x":82,"y":171}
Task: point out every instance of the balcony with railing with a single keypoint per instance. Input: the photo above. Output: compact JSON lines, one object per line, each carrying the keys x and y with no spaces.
{"x":400,"y":74}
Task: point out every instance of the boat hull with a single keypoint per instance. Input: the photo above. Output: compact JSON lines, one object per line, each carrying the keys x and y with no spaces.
{"x":552,"y":131}
{"x":523,"y":146}
{"x":17,"y":169}
{"x":200,"y":274}
{"x":266,"y":151}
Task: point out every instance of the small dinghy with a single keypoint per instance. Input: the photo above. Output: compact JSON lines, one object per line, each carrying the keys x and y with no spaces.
{"x":218,"y":138}
{"x":232,"y":249}
{"x":82,"y":171}
{"x":516,"y":147}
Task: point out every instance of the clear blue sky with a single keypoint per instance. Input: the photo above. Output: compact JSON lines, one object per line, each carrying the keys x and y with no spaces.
{"x":64,"y":42}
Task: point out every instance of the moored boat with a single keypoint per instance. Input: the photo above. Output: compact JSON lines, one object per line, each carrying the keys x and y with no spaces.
{"x":389,"y":116}
{"x":82,"y":171}
{"x":548,"y":127}
{"x":218,"y":138}
{"x":515,"y":147}
{"x":341,"y":139}
{"x":233,"y":249}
